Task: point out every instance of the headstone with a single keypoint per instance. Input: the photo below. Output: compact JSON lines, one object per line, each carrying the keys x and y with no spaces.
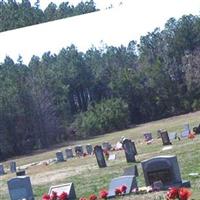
{"x":13,"y":167}
{"x":197,"y":129}
{"x":186,"y":131}
{"x":165,"y":138}
{"x":69,"y":153}
{"x":2,"y":172}
{"x":157,"y":185}
{"x":129,"y":150}
{"x":89,"y":149}
{"x":128,"y":181}
{"x":20,"y":188}
{"x":59,"y":156}
{"x":112,"y":157}
{"x":98,"y":151}
{"x":134,"y":147}
{"x":164,"y":169}
{"x":131,"y":171}
{"x":148,"y":137}
{"x":68,"y":188}
{"x":79,"y":150}
{"x":106,"y":146}
{"x":21,"y":173}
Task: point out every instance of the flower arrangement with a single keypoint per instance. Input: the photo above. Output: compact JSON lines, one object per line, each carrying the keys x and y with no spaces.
{"x":102,"y":195}
{"x":178,"y":193}
{"x":55,"y":196}
{"x":121,"y":190}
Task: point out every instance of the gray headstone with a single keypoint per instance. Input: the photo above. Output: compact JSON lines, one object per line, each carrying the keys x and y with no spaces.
{"x":79,"y":150}
{"x":165,"y":138}
{"x":20,"y":188}
{"x":13,"y":167}
{"x":106,"y":146}
{"x":89,"y":149}
{"x":2,"y":172}
{"x":98,"y":151}
{"x":186,"y":130}
{"x":68,"y":188}
{"x":128,"y":181}
{"x":59,"y":156}
{"x":172,"y":136}
{"x":131,"y":171}
{"x":164,"y":169}
{"x":129,"y":150}
{"x":69,"y":153}
{"x":148,"y":137}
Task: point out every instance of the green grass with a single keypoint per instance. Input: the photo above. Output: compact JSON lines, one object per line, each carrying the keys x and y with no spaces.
{"x":88,"y":178}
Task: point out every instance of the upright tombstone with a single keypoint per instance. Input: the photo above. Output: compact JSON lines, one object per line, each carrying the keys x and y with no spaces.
{"x":68,"y":188}
{"x":106,"y":146}
{"x":98,"y":151}
{"x":20,"y":188}
{"x":129,"y":150}
{"x":69,"y":153}
{"x":13,"y":167}
{"x":20,"y":173}
{"x":134,"y":147}
{"x":148,"y":137}
{"x":59,"y":156}
{"x":186,"y":130}
{"x":165,"y":137}
{"x":2,"y":172}
{"x":129,"y":181}
{"x":164,"y":169}
{"x":79,"y":150}
{"x":89,"y":149}
{"x":131,"y":171}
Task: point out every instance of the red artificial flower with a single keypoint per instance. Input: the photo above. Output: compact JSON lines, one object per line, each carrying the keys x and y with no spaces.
{"x":53,"y":196}
{"x":117,"y":191}
{"x":63,"y":196}
{"x":172,"y":193}
{"x":191,"y":136}
{"x":184,"y":194}
{"x":92,"y":197}
{"x":46,"y":197}
{"x":83,"y":198}
{"x":123,"y":188}
{"x":103,"y":194}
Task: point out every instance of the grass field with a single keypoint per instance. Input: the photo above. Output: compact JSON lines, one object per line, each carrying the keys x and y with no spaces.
{"x":88,"y":178}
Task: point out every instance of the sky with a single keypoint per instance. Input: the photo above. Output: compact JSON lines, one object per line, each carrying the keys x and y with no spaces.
{"x":128,"y":20}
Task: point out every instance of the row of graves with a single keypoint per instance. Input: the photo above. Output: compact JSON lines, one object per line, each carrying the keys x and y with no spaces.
{"x":160,"y":173}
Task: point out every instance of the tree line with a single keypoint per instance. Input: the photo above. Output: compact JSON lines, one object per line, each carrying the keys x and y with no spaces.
{"x":15,"y":14}
{"x":72,"y":95}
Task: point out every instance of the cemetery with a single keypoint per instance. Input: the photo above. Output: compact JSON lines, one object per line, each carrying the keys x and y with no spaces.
{"x":139,"y":170}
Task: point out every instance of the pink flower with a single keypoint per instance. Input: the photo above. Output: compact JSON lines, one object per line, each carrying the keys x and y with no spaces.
{"x":92,"y":197}
{"x":46,"y":197}
{"x":123,"y":188}
{"x":103,"y":194}
{"x":117,"y":191}
{"x":63,"y":196}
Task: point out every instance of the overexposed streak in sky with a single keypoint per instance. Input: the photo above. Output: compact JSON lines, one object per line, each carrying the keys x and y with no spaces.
{"x":120,"y":25}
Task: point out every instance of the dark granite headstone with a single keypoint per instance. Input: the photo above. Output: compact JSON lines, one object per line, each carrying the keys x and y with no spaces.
{"x":148,"y":137}
{"x":2,"y":172}
{"x":21,"y":173}
{"x":69,"y":153}
{"x":131,"y":171}
{"x":68,"y":188}
{"x":129,"y":150}
{"x":134,"y":147}
{"x":165,"y":138}
{"x":59,"y":156}
{"x":89,"y":149}
{"x":79,"y":150}
{"x":98,"y":151}
{"x":164,"y":169}
{"x":128,"y":181}
{"x":13,"y":167}
{"x":20,"y":188}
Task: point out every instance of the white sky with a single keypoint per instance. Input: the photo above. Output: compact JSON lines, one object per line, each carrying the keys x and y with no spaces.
{"x":116,"y":26}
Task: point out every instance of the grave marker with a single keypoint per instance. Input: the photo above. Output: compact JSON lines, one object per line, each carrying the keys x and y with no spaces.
{"x":128,"y":181}
{"x":69,"y":153}
{"x":129,"y":150}
{"x":2,"y":172}
{"x":186,"y":130}
{"x":165,"y":138}
{"x":13,"y":167}
{"x":20,"y":188}
{"x":68,"y":188}
{"x":148,"y":137}
{"x":89,"y":149}
{"x":59,"y":156}
{"x":79,"y":150}
{"x":98,"y":151}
